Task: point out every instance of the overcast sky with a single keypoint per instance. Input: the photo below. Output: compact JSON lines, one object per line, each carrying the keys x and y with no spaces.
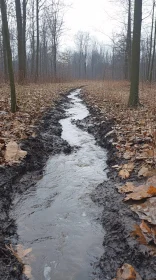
{"x":101,"y":18}
{"x":98,"y":17}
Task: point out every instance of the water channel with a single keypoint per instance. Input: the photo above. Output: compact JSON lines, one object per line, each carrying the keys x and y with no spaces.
{"x":57,"y":217}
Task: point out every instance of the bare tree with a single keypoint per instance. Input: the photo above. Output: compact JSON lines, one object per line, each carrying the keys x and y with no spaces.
{"x":134,"y":89}
{"x":9,"y":54}
{"x":21,"y":55}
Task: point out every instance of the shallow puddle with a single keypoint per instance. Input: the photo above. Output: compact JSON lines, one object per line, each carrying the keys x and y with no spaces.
{"x":57,"y":218}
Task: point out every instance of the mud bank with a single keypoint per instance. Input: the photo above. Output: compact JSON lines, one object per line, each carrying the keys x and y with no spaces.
{"x":18,"y":178}
{"x":117,"y":218}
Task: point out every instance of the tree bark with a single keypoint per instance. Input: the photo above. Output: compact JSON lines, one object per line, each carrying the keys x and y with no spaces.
{"x":9,"y":55}
{"x":4,"y":56}
{"x":24,"y":37}
{"x":128,"y":44}
{"x":151,"y":42}
{"x":37,"y":43}
{"x":153,"y":56}
{"x":135,"y":67}
{"x":21,"y":70}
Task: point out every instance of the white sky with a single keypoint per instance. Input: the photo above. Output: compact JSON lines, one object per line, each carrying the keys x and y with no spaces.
{"x":101,"y":18}
{"x":98,"y":17}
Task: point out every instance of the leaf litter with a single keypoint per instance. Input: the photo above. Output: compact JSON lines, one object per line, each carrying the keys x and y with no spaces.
{"x":135,"y":143}
{"x":32,"y":101}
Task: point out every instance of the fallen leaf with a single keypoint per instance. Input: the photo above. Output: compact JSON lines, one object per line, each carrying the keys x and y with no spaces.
{"x":144,"y":171}
{"x":27,"y":271}
{"x":152,"y":181}
{"x":127,"y":272}
{"x":128,"y":166}
{"x":128,"y":155}
{"x":137,"y":233}
{"x":147,"y":210}
{"x":128,"y":187}
{"x":141,"y":192}
{"x":13,"y":153}
{"x":21,"y":252}
{"x":124,"y":173}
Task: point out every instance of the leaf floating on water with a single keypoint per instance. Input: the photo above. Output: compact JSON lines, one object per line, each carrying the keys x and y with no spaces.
{"x":127,"y":272}
{"x":21,"y":252}
{"x":13,"y":153}
{"x":27,"y":271}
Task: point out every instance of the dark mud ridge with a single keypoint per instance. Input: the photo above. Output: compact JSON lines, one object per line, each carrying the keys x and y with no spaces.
{"x":117,"y":218}
{"x":18,"y":178}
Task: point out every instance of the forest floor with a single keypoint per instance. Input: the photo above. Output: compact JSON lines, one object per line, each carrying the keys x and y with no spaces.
{"x":130,"y":137}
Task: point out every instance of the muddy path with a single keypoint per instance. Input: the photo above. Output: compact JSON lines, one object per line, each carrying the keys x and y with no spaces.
{"x":65,"y":204}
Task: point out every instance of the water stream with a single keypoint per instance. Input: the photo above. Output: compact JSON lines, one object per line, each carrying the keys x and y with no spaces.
{"x":57,"y":218}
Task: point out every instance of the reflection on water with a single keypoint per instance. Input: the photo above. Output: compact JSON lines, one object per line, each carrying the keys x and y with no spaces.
{"x":57,"y":217}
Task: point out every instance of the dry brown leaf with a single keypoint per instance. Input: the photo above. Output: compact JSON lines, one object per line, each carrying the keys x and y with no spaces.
{"x":141,"y":192}
{"x":127,"y":272}
{"x":147,"y":210}
{"x":124,"y":173}
{"x":152,"y":181}
{"x":13,"y":153}
{"x":21,"y":252}
{"x":27,"y":271}
{"x":137,"y":233}
{"x":144,"y":171}
{"x":128,"y":187}
{"x":128,"y":155}
{"x":128,"y":166}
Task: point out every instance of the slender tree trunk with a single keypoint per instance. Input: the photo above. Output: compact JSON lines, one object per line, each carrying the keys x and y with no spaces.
{"x":37,"y":43}
{"x":135,"y":68}
{"x":128,"y":44}
{"x":24,"y":37}
{"x":151,"y":43}
{"x":54,"y":61}
{"x":20,"y":41}
{"x":4,"y":56}
{"x":153,"y":56}
{"x":9,"y":54}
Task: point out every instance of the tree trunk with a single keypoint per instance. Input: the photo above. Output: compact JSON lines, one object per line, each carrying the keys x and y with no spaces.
{"x":151,"y":40}
{"x":20,"y":42}
{"x":24,"y":37}
{"x":135,"y":68}
{"x":9,"y":55}
{"x":128,"y":44}
{"x":4,"y":56}
{"x":37,"y":43}
{"x":153,"y":56}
